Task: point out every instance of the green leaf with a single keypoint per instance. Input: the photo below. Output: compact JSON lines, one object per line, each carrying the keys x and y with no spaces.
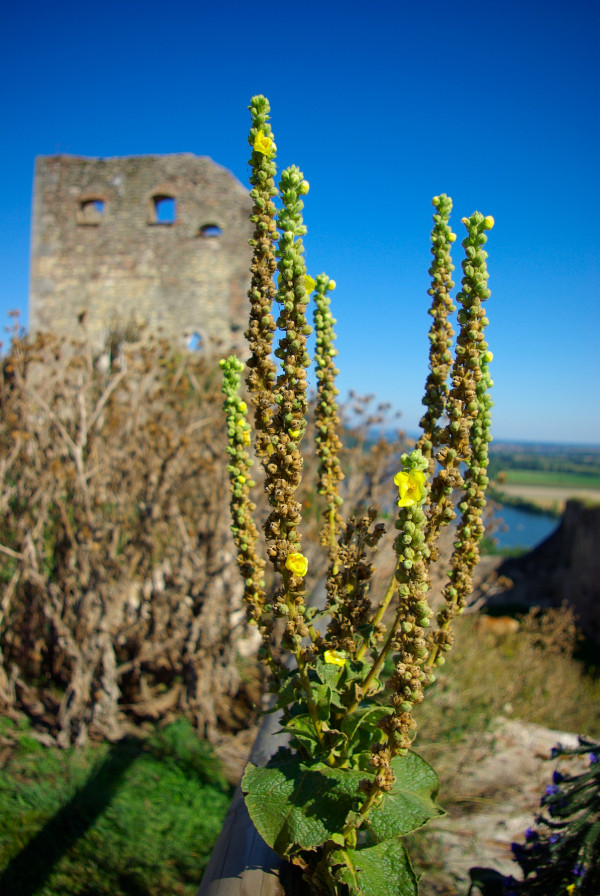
{"x":302,"y":724}
{"x":382,"y":870}
{"x":365,"y":717}
{"x":411,"y":803}
{"x":288,"y":689}
{"x":328,"y":673}
{"x":299,"y":805}
{"x":303,"y":730}
{"x":322,"y":695}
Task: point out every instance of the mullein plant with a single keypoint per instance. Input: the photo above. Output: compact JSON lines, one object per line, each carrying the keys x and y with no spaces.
{"x":338,"y":801}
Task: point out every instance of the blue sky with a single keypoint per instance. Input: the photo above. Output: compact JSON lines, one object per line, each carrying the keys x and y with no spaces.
{"x":383,"y":106}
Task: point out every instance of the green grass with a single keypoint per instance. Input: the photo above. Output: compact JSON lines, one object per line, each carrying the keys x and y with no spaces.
{"x":137,"y":818}
{"x":552,"y":479}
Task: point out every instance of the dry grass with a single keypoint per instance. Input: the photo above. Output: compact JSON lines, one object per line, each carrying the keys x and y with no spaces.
{"x":533,"y":675}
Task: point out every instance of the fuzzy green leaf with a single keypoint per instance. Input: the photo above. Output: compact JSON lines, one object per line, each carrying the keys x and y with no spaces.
{"x":302,"y":729}
{"x":411,"y":802}
{"x":299,"y":805}
{"x":382,"y":870}
{"x":366,"y":717}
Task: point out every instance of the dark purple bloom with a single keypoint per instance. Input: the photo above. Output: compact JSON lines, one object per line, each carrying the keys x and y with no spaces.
{"x":579,"y":870}
{"x":556,"y":751}
{"x":594,"y":758}
{"x":557,"y":777}
{"x":551,"y":790}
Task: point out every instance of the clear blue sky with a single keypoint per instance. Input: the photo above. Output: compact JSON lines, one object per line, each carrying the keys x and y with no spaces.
{"x":383,"y":105}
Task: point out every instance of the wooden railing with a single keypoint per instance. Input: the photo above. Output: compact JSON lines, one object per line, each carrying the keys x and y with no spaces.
{"x":241,"y":863}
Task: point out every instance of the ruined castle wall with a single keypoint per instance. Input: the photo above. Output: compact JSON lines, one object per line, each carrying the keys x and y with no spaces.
{"x":160,"y":241}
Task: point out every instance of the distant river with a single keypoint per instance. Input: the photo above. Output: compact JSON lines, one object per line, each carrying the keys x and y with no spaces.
{"x":521,"y":529}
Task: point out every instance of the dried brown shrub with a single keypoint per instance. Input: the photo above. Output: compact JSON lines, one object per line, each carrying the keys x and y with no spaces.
{"x":118,"y":582}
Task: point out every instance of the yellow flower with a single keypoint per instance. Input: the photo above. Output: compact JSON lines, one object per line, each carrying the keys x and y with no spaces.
{"x":571,"y":889}
{"x":241,"y":479}
{"x":264,"y":144}
{"x":410,"y":487}
{"x":246,"y":440}
{"x":488,"y":222}
{"x":294,"y":433}
{"x":297,"y":563}
{"x":334,"y":657}
{"x":243,"y":407}
{"x":309,"y":283}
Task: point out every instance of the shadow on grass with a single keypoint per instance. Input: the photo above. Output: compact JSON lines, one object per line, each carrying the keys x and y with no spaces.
{"x":28,"y":871}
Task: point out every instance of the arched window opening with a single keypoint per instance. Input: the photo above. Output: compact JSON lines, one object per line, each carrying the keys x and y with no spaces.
{"x":91,"y":211}
{"x":165,"y":209}
{"x":210,"y":231}
{"x":195,"y":342}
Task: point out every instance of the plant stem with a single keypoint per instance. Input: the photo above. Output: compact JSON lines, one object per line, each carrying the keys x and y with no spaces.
{"x":387,"y":599}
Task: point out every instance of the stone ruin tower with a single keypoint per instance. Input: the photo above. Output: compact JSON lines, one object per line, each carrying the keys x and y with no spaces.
{"x":158,"y":242}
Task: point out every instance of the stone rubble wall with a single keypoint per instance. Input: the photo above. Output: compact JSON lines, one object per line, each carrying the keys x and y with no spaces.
{"x":102,"y":257}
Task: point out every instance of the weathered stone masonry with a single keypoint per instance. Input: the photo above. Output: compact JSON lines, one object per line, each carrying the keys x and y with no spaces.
{"x":155,"y":240}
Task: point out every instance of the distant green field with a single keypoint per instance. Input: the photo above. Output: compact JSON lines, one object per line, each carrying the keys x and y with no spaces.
{"x":551,"y":479}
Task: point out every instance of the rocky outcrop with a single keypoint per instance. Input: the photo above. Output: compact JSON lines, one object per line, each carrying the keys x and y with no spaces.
{"x":565,"y":568}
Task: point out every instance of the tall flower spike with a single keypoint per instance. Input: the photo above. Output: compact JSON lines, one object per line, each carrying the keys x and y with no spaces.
{"x":462,"y":405}
{"x":440,"y":333}
{"x":261,"y":370}
{"x":283,"y":464}
{"x":406,"y":635}
{"x":327,"y":419}
{"x":245,"y":534}
{"x":472,"y":350}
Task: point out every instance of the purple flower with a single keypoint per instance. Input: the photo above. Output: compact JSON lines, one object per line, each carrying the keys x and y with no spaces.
{"x":579,"y":870}
{"x":531,"y":834}
{"x":556,"y":751}
{"x":557,"y":778}
{"x":551,"y":790}
{"x":594,"y":758}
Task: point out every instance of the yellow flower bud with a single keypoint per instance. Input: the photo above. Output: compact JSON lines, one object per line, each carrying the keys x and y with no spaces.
{"x":264,"y":144}
{"x":304,"y":188}
{"x":487,"y":357}
{"x":243,"y":407}
{"x":411,"y":487}
{"x":331,"y":285}
{"x":294,"y":433}
{"x":334,"y":657}
{"x":297,"y":563}
{"x":246,"y":440}
{"x":309,"y":283}
{"x":488,"y":222}
{"x":241,"y":479}
{"x":452,"y":237}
